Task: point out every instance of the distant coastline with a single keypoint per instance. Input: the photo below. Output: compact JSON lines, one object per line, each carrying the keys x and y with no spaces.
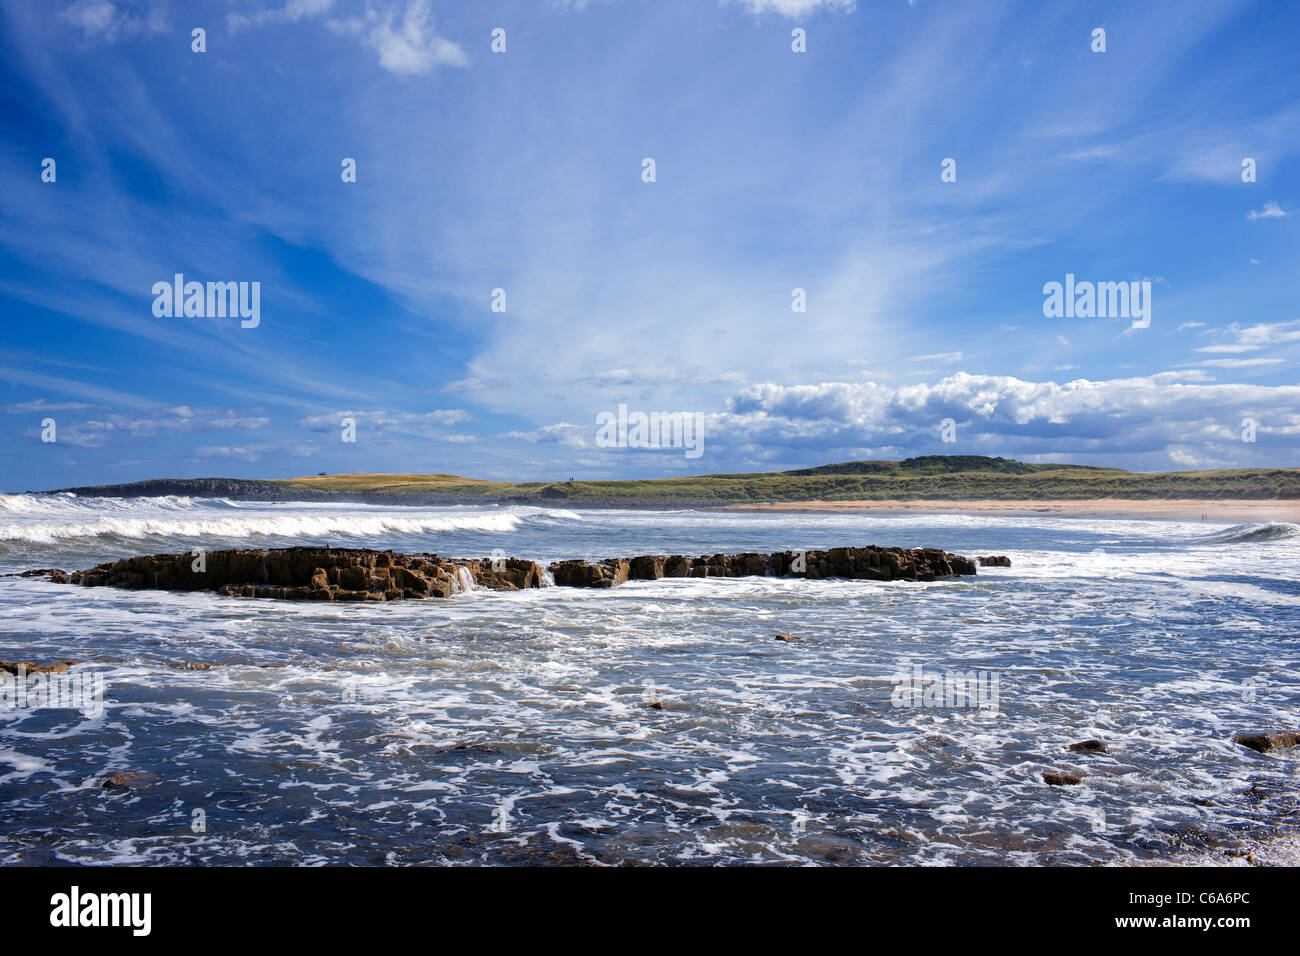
{"x":930,"y":483}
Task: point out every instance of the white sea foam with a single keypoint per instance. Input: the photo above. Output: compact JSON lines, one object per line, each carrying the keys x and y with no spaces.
{"x":408,"y":725}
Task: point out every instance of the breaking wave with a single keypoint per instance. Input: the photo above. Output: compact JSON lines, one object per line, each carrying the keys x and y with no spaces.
{"x":1253,"y":531}
{"x":52,"y":519}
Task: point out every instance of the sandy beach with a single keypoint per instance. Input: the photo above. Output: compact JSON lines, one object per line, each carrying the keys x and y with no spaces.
{"x":1181,"y":508}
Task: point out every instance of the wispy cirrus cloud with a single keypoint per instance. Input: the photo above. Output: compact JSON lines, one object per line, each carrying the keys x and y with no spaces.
{"x":793,"y":8}
{"x":1250,"y":338}
{"x":102,"y":21}
{"x":41,"y":406}
{"x":122,"y":429}
{"x":381,"y":420}
{"x":291,"y":12}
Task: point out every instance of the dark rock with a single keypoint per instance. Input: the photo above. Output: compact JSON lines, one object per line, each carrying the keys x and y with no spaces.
{"x":961,"y":565}
{"x":580,"y":574}
{"x":1089,"y":747}
{"x":677,"y":566}
{"x":1061,"y":779}
{"x":647,"y":567}
{"x":312,"y":574}
{"x":995,"y":561}
{"x":1264,"y":742}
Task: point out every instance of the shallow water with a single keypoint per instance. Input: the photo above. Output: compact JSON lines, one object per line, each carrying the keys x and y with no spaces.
{"x":516,"y":727}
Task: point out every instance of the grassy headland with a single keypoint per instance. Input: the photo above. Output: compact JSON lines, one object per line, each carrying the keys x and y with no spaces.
{"x":942,"y":477}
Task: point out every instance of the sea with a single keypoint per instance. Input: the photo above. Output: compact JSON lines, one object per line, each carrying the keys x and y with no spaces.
{"x":659,"y":722}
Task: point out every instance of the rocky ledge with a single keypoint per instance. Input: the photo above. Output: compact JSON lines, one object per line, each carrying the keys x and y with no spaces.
{"x":357,"y":574}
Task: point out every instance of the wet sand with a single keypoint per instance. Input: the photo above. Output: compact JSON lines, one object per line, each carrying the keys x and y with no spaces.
{"x":1235,"y":510}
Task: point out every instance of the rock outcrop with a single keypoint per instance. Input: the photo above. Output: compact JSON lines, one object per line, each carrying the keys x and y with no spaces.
{"x":360,"y":574}
{"x":994,"y":561}
{"x":313,"y":574}
{"x":864,"y":564}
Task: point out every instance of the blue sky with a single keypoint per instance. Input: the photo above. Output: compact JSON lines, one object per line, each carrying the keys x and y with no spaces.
{"x":522,"y":171}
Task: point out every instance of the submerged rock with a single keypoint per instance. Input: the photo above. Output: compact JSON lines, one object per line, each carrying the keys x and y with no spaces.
{"x":1265,"y":742}
{"x":18,"y":668}
{"x":121,"y":779}
{"x":1061,"y":779}
{"x":1089,"y":747}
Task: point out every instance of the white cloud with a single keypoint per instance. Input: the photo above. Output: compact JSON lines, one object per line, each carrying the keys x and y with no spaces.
{"x":408,"y":47}
{"x":1114,"y":416}
{"x":1170,"y":418}
{"x":1241,"y":363}
{"x":794,"y":8}
{"x":1271,"y":210}
{"x":40,"y":405}
{"x":98,"y":432}
{"x":1253,"y":337}
{"x":101,"y":21}
{"x":379,"y":420}
{"x":291,"y":12}
{"x":562,"y":433}
{"x":255,"y":452}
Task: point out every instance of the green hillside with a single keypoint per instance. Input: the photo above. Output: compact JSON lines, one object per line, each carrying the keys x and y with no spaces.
{"x":954,"y":477}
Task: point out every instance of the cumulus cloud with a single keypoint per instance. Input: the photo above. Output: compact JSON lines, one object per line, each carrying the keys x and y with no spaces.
{"x":1182,"y":416}
{"x":1146,"y":413}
